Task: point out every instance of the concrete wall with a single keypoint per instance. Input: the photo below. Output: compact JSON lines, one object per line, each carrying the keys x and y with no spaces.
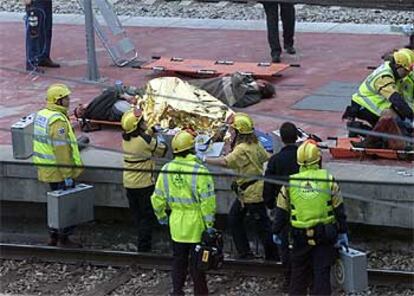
{"x":18,"y":183}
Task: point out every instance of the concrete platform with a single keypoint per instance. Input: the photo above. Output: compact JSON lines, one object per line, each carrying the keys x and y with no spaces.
{"x":323,"y":57}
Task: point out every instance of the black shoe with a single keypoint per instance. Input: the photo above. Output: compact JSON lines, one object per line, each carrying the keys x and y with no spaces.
{"x":290,"y":49}
{"x":248,"y":256}
{"x":34,"y":69}
{"x":276,"y":59}
{"x":49,"y":63}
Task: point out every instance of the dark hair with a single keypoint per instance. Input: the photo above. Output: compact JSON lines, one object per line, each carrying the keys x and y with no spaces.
{"x":268,"y":90}
{"x":289,"y":133}
{"x":129,"y":136}
{"x":249,"y":138}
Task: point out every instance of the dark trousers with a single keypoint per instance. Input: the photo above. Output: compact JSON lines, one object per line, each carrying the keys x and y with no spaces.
{"x":182,"y":253}
{"x":357,"y":111}
{"x":59,"y":233}
{"x":287,"y":13}
{"x":257,"y":212}
{"x":142,"y":214}
{"x":311,"y":267}
{"x":284,"y":252}
{"x":38,"y":41}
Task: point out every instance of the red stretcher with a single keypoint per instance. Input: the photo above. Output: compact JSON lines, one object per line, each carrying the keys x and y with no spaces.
{"x":344,"y":149}
{"x":210,"y":68}
{"x":90,"y":125}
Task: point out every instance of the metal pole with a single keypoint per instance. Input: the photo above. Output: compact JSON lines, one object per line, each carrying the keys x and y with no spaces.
{"x":92,"y":73}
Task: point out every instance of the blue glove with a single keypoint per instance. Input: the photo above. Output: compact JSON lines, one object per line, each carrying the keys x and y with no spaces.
{"x":211,"y":230}
{"x":342,"y":241}
{"x":164,"y":221}
{"x":69,"y":183}
{"x":276,"y":239}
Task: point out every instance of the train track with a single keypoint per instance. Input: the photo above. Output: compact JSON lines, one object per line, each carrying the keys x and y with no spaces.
{"x":163,"y":262}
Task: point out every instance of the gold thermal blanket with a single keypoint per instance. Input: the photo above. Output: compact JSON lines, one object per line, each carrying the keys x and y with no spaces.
{"x":172,"y":102}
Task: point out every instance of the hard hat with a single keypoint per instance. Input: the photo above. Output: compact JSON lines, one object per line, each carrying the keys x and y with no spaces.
{"x":56,"y":92}
{"x":405,"y":58}
{"x":243,"y":123}
{"x":308,"y":153}
{"x":182,"y":141}
{"x":130,"y":120}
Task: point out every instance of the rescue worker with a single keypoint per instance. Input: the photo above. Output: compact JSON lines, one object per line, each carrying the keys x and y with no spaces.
{"x":315,"y":211}
{"x":247,"y":158}
{"x":188,"y":190}
{"x":54,"y":144}
{"x":281,"y":164}
{"x":379,"y":92}
{"x":139,"y":179}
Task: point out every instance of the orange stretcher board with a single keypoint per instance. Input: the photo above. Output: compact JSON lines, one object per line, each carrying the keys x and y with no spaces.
{"x":214,"y":68}
{"x":344,"y":149}
{"x":90,"y":125}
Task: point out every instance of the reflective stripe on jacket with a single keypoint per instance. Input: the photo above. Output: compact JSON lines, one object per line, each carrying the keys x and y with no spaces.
{"x":310,"y":200}
{"x":368,"y":96}
{"x":45,"y":144}
{"x":190,"y":196}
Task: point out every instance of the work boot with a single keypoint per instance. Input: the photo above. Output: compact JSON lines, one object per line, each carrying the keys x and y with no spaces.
{"x":65,"y":242}
{"x":369,"y":143}
{"x":290,"y":49}
{"x":47,"y":62}
{"x":276,"y":58}
{"x":53,"y":240}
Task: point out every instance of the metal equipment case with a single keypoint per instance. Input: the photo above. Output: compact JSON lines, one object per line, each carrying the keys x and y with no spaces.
{"x":70,"y":207}
{"x":350,"y":271}
{"x":22,"y":137}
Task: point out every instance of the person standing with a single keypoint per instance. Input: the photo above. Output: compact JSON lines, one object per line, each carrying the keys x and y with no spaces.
{"x":312,"y":206}
{"x":287,"y":13}
{"x":138,"y":177}
{"x":54,"y":144}
{"x":247,"y":158}
{"x":186,"y":187}
{"x":38,"y":22}
{"x":281,"y":164}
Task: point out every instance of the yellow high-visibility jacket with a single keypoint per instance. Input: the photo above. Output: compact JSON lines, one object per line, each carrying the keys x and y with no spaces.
{"x":138,"y":153}
{"x":54,"y":142}
{"x":190,"y":196}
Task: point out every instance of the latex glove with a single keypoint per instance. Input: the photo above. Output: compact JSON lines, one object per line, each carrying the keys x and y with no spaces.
{"x":276,"y":239}
{"x":211,"y":230}
{"x":69,"y":183}
{"x":342,"y":241}
{"x":163,"y":221}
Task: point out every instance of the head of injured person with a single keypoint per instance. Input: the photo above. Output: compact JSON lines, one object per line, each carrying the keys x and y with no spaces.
{"x":267,"y":90}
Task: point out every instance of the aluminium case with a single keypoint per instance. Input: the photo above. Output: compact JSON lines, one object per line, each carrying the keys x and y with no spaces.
{"x":22,"y":137}
{"x":70,"y":207}
{"x":350,"y":271}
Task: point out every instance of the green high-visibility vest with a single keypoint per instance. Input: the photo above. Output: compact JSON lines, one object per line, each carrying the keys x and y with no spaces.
{"x":406,"y":87}
{"x":190,"y":196}
{"x":368,"y":97}
{"x":310,"y":200}
{"x":42,"y":142}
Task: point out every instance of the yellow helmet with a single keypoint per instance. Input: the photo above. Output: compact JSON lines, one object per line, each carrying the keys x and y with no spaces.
{"x":130,"y":120}
{"x":405,"y":58}
{"x":243,"y":123}
{"x":308,"y":153}
{"x":182,"y":141}
{"x":56,"y":92}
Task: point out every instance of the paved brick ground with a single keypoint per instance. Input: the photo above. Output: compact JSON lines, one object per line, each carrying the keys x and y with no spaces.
{"x":323,"y":57}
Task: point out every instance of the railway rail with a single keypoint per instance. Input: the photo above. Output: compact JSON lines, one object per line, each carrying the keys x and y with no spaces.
{"x":163,"y":262}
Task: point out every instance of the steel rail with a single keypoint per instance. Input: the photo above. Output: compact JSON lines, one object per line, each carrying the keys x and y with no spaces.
{"x":163,"y":262}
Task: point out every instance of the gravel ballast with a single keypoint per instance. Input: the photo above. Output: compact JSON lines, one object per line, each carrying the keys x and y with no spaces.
{"x":231,"y":11}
